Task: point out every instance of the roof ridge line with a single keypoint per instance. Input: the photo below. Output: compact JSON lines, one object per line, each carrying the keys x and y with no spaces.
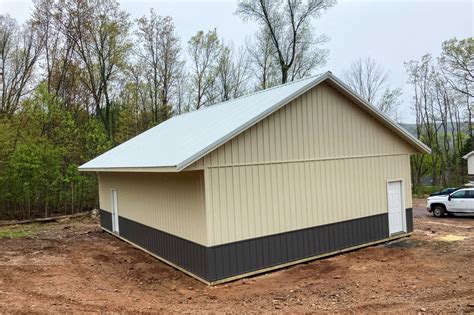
{"x":265,"y":90}
{"x":250,"y":94}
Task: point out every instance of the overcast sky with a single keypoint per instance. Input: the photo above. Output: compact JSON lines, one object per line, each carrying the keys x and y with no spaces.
{"x":391,"y":32}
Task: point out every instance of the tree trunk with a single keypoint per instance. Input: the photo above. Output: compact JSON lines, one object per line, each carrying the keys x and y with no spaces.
{"x":284,"y":74}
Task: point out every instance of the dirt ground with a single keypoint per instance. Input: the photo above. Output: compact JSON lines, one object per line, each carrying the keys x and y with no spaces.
{"x":71,"y":266}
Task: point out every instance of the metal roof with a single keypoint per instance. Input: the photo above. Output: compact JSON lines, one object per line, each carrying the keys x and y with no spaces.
{"x":180,"y":141}
{"x":468,"y":155}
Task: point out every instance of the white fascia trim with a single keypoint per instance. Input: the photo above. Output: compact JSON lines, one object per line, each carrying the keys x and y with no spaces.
{"x":171,"y":169}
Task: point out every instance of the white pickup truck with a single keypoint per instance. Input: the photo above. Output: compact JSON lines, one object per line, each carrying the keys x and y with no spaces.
{"x":460,"y":201}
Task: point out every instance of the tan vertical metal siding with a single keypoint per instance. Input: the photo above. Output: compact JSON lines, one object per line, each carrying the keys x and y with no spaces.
{"x":170,"y":202}
{"x":255,"y":200}
{"x":318,"y":160}
{"x":320,"y":124}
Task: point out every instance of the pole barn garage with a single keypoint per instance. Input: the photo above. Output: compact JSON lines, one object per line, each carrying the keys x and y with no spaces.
{"x":281,"y":176}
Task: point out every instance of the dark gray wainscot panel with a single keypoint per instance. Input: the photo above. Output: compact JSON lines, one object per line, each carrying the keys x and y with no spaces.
{"x":409,"y":216}
{"x":227,"y":260}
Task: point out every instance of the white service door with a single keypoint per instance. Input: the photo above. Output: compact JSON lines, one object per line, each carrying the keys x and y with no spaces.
{"x":115,"y":219}
{"x":395,"y":207}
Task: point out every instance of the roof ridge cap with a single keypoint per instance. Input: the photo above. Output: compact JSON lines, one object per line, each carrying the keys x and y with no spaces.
{"x":250,"y":94}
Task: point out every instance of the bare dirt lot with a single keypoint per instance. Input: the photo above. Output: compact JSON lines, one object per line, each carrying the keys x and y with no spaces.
{"x":71,"y":266}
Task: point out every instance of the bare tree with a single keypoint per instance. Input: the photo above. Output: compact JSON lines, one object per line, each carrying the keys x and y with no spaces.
{"x":262,"y":59}
{"x":232,"y":73}
{"x":241,"y":73}
{"x":418,"y":80}
{"x":58,"y":49}
{"x":457,"y":64}
{"x":100,"y":33}
{"x":370,"y":81}
{"x":310,"y":56}
{"x":183,"y":97}
{"x":159,"y":52}
{"x":204,"y":50}
{"x":133,"y":96}
{"x":422,"y":76}
{"x":20,"y":49}
{"x":288,"y":23}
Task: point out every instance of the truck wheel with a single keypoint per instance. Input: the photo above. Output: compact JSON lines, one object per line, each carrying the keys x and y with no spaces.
{"x":438,"y":211}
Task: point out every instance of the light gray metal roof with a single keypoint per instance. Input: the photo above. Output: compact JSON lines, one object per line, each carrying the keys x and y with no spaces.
{"x":468,"y":155}
{"x":179,"y":141}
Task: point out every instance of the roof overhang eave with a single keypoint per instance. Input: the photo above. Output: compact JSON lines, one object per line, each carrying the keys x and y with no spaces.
{"x":468,"y":155}
{"x":152,"y":169}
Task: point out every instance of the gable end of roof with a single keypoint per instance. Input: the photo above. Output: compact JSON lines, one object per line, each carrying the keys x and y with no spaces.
{"x":341,"y":87}
{"x":253,"y":121}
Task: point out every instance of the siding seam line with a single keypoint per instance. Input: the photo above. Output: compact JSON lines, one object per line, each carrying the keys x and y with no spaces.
{"x":311,"y":160}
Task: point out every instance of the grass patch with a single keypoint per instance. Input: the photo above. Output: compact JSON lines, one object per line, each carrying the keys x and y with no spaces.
{"x":423,"y":191}
{"x":15,"y":233}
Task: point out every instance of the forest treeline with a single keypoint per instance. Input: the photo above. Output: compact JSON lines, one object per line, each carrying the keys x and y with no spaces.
{"x":79,"y":77}
{"x":443,"y":89}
